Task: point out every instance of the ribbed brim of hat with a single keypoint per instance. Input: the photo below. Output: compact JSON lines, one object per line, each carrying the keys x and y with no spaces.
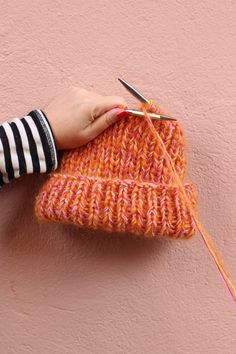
{"x":126,"y":206}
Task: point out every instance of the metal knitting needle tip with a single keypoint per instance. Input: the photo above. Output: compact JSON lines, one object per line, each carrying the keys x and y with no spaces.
{"x":134,"y":92}
{"x":167,"y":118}
{"x":136,"y":113}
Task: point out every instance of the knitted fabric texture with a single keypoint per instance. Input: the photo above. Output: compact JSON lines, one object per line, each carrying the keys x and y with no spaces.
{"x":120,"y":182}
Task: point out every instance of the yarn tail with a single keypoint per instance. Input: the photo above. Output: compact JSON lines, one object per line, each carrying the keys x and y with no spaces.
{"x":204,"y":234}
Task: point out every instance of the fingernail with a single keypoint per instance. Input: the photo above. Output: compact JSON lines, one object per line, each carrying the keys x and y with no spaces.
{"x":122,"y":115}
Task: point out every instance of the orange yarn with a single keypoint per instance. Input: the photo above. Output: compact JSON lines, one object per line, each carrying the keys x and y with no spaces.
{"x":204,"y":234}
{"x":126,"y":181}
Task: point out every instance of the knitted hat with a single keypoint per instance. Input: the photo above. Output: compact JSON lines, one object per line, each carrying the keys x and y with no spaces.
{"x":121,"y":182}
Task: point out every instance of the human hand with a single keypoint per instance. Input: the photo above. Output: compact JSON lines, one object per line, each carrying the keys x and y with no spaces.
{"x":77,"y":116}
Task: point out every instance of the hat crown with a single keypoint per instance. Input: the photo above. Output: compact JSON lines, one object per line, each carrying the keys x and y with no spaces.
{"x":128,"y":150}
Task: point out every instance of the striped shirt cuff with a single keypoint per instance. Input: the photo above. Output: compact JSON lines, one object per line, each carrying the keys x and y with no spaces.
{"x":27,"y":145}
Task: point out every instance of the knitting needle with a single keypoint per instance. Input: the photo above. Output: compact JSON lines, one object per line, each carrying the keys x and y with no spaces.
{"x":137,"y":113}
{"x":134,"y":92}
{"x":142,"y":99}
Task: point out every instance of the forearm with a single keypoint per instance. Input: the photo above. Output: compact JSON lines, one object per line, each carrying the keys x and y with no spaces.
{"x":27,"y":145}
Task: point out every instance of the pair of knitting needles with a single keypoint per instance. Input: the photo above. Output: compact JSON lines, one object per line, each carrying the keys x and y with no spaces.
{"x":143,"y":100}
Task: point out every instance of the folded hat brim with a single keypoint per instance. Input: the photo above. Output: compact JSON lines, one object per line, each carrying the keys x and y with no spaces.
{"x":127,"y":206}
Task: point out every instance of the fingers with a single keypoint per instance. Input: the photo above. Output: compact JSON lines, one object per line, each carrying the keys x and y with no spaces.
{"x":106,"y":103}
{"x":101,"y":123}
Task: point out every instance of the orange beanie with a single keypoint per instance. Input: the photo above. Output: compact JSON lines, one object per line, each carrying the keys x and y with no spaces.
{"x":121,"y":182}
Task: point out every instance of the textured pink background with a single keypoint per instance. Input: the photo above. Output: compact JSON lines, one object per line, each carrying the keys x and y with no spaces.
{"x":67,"y":291}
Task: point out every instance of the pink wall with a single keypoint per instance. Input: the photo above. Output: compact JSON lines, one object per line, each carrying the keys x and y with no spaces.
{"x":67,"y":291}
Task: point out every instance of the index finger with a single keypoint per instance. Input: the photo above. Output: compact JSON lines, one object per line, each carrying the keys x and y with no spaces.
{"x":106,"y":103}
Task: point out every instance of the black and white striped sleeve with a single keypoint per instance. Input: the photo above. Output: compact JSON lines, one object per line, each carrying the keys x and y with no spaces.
{"x":27,"y":145}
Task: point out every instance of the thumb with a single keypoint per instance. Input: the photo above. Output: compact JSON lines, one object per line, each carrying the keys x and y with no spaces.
{"x":103,"y":122}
